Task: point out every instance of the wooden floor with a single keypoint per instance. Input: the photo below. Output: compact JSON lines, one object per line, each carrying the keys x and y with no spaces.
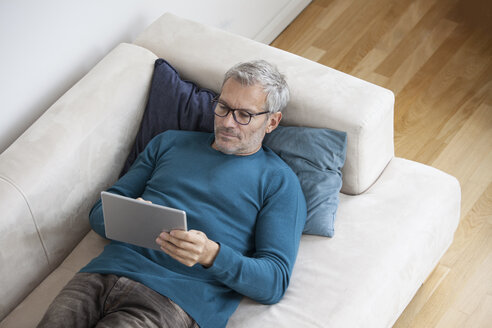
{"x":436,"y":56}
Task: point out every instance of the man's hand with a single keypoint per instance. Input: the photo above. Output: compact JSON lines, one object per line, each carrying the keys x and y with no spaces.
{"x":189,"y":247}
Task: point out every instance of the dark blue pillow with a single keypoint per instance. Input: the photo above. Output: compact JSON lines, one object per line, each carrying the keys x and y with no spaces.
{"x":173,"y":104}
{"x":317,"y":157}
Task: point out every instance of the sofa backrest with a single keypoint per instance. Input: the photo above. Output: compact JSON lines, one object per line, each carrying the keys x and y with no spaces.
{"x":51,"y":176}
{"x":320,"y":96}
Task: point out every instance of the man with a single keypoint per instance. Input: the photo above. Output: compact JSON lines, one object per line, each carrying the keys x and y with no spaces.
{"x":245,"y":209}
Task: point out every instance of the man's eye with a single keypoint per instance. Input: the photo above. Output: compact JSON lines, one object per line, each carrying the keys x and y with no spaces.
{"x":242,"y":114}
{"x":222,"y":107}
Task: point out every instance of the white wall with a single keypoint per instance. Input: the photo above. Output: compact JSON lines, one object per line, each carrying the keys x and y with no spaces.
{"x":48,"y":45}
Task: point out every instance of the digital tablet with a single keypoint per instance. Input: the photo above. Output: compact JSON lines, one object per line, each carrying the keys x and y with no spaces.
{"x":139,"y":223}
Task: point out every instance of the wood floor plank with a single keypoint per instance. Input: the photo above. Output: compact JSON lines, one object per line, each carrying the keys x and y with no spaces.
{"x":468,"y":229}
{"x":411,"y":97}
{"x":474,"y":187}
{"x":300,"y":34}
{"x":468,"y":307}
{"x":480,"y":283}
{"x":313,"y":53}
{"x":372,"y":36}
{"x":392,"y":38}
{"x":479,"y":92}
{"x":468,"y":98}
{"x":453,"y":319}
{"x":342,"y":35}
{"x":472,"y":232}
{"x":482,"y":317}
{"x":323,"y":3}
{"x":335,"y":23}
{"x":470,"y":148}
{"x":420,"y":55}
{"x":475,"y":13}
{"x":468,"y":62}
{"x":479,"y":287}
{"x":459,"y":275}
{"x":423,"y":295}
{"x":442,"y":97}
{"x":412,"y":40}
{"x":331,"y":13}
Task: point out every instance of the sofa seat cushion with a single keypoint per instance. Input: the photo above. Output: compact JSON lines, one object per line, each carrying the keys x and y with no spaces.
{"x":388,"y":241}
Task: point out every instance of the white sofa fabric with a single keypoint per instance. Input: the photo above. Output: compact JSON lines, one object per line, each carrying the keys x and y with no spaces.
{"x":395,"y":220}
{"x":61,"y":162}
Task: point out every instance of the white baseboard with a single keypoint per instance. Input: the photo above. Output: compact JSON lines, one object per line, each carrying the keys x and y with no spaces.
{"x":281,"y":21}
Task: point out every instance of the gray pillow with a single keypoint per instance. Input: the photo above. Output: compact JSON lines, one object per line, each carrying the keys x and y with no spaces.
{"x":317,"y":157}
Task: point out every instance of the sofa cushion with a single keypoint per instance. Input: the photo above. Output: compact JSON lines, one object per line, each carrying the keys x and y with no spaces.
{"x":173,"y":104}
{"x":317,"y":157}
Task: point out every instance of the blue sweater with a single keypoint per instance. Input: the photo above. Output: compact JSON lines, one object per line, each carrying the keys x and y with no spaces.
{"x":252,"y":206}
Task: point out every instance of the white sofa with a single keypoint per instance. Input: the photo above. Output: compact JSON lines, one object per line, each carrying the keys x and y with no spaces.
{"x":395,"y":220}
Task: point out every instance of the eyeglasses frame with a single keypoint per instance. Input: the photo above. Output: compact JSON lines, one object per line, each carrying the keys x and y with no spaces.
{"x":216,"y":100}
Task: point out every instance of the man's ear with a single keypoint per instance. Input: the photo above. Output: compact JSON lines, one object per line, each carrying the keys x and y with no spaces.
{"x":273,"y":121}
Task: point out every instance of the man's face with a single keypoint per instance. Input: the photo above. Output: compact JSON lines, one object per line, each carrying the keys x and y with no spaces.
{"x":234,"y":138}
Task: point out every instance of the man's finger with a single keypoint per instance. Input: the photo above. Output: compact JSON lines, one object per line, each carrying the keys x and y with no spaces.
{"x":188,"y":247}
{"x":180,"y":235}
{"x":183,"y":256}
{"x":179,"y":243}
{"x":178,"y":258}
{"x":192,"y":236}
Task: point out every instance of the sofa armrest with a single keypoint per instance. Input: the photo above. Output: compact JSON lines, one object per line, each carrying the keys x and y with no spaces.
{"x":320,"y":96}
{"x":52,"y":174}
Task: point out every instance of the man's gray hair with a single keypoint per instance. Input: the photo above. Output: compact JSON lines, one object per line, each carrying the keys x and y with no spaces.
{"x":267,"y":76}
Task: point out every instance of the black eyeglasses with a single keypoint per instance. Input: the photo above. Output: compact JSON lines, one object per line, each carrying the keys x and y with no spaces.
{"x":241,"y":116}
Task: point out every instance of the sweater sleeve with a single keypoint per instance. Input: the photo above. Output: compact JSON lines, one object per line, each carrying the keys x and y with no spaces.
{"x":132,"y":184}
{"x":264,"y":277}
